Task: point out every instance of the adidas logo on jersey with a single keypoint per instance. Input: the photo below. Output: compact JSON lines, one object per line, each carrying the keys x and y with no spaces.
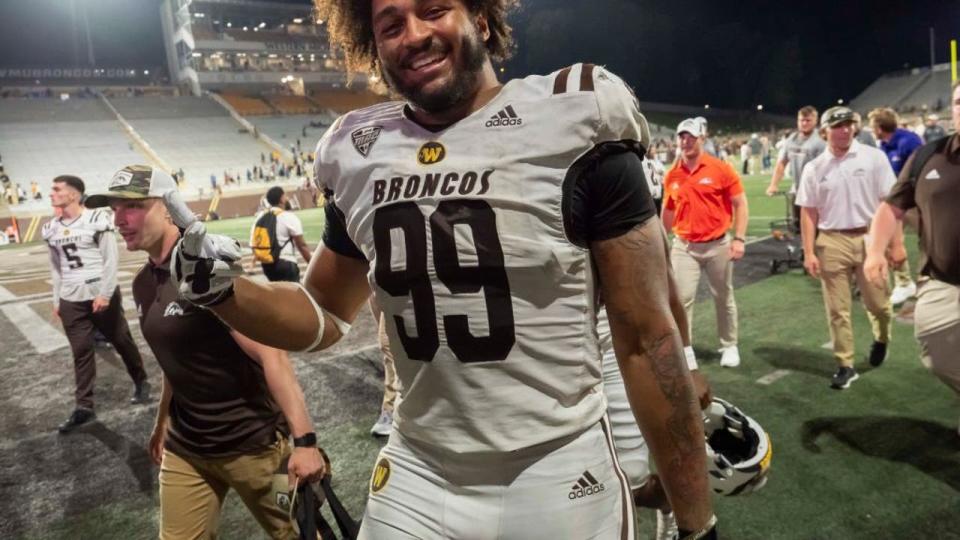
{"x":173,"y":310}
{"x":586,"y":485}
{"x":506,"y":117}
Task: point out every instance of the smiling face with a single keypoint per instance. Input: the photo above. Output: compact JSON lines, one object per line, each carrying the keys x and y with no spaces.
{"x":840,"y":136}
{"x":140,"y":222}
{"x":431,"y":51}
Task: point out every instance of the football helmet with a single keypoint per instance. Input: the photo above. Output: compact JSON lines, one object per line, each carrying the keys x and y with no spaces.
{"x":738,"y":450}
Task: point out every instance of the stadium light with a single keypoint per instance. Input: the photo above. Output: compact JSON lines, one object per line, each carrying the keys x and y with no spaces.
{"x":707,"y":106}
{"x":245,"y":28}
{"x":298,"y":20}
{"x":839,"y":102}
{"x":263,"y":25}
{"x":146,"y":72}
{"x":229,"y":24}
{"x":759,"y":107}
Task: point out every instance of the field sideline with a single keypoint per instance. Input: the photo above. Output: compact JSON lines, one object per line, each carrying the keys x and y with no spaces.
{"x":880,"y":460}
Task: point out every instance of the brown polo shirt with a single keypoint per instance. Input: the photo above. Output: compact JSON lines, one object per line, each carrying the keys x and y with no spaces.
{"x":936,"y":196}
{"x":221,"y":405}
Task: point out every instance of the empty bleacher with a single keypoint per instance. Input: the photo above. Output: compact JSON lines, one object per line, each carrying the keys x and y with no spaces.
{"x":248,"y":106}
{"x":292,"y":104}
{"x":201,"y":146}
{"x":52,"y":110}
{"x":915,"y":90}
{"x":343,"y":101}
{"x":134,"y":108}
{"x":39,"y":151}
{"x":287,"y":129}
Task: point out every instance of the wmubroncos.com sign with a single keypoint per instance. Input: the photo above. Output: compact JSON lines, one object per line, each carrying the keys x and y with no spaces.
{"x":69,"y":73}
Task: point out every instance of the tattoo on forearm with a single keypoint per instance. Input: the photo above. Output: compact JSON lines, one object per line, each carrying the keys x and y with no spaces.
{"x":642,"y":276}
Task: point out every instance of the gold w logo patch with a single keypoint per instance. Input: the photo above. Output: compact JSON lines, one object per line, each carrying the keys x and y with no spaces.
{"x":381,"y":475}
{"x":431,"y":152}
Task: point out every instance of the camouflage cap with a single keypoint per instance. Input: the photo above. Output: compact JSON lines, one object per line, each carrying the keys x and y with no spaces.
{"x":134,"y":182}
{"x":837,"y":115}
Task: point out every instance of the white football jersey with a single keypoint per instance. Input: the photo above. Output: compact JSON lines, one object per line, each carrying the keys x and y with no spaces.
{"x":77,"y":246}
{"x":490,"y":300}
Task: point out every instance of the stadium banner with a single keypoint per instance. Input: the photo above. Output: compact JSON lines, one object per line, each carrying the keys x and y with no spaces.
{"x":69,"y":73}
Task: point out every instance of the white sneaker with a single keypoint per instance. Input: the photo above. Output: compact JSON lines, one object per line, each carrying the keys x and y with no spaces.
{"x":902,"y":294}
{"x":730,"y":356}
{"x":384,"y":425}
{"x":666,"y":526}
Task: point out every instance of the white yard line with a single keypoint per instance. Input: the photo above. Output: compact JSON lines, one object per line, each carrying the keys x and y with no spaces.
{"x":39,"y":332}
{"x":773,"y":377}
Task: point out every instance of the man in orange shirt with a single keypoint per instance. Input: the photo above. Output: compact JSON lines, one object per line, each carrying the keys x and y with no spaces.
{"x":703,"y":196}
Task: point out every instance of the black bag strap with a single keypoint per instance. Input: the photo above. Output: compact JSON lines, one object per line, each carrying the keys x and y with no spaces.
{"x":922,"y":155}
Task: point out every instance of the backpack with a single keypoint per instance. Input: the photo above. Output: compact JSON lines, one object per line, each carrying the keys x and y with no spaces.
{"x":922,"y":155}
{"x":266,"y":247}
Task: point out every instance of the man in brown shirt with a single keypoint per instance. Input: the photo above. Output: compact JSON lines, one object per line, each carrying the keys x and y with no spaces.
{"x":934,"y":192}
{"x":227,"y":404}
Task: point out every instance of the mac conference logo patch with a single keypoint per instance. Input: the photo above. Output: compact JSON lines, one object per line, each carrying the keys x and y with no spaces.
{"x":364,"y":138}
{"x":431,"y":152}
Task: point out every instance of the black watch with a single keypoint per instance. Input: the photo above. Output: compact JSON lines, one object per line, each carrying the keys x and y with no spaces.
{"x":739,"y":239}
{"x":308,"y":440}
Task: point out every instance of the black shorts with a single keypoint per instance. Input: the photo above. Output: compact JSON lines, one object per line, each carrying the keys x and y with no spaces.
{"x":282,"y":270}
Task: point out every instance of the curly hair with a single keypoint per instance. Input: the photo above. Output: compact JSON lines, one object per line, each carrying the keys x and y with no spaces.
{"x":350,"y":26}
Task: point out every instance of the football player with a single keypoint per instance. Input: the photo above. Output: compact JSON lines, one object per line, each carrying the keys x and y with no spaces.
{"x":486,"y":218}
{"x":86,"y":298}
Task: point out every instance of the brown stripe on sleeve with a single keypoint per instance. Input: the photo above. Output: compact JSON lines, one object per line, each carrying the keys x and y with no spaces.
{"x":586,"y":78}
{"x":560,"y":83}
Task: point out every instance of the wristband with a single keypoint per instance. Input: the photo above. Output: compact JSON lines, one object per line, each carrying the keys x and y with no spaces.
{"x":307,"y":440}
{"x":739,"y":238}
{"x":691,"y":358}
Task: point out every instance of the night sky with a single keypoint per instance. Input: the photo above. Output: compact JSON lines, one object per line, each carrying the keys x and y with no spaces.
{"x":727,"y":54}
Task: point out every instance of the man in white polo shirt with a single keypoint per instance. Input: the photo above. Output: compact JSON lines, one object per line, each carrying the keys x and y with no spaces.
{"x":838,"y":194}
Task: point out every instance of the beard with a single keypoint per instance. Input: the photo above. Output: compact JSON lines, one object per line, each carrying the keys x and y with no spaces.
{"x":461,"y":86}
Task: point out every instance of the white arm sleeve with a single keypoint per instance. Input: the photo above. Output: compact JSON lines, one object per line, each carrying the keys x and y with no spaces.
{"x":55,"y":275}
{"x":108,"y":249}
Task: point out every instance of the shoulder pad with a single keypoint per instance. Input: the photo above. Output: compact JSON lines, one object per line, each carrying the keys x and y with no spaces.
{"x":620,"y":116}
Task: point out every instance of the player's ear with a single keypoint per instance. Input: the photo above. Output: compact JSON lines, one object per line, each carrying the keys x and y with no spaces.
{"x":483,"y":27}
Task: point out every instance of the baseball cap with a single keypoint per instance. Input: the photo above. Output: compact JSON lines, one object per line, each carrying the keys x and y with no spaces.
{"x":691,"y":126}
{"x":836,"y":115}
{"x":134,"y":182}
{"x":933,"y":117}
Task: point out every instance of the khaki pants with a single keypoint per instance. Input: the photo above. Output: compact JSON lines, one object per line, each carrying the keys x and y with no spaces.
{"x":192,"y":492}
{"x":713,"y":258}
{"x":389,"y":369}
{"x":841,"y":259}
{"x":937,"y":319}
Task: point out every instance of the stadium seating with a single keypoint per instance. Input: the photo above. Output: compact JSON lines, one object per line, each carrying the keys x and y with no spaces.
{"x":39,"y":151}
{"x":291,"y":104}
{"x":933,"y":90}
{"x":52,"y":110}
{"x":248,"y":106}
{"x":134,"y":108}
{"x":343,"y":101}
{"x":201,"y":146}
{"x":287,"y":129}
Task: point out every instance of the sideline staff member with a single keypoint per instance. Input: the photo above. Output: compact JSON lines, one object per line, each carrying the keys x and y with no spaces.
{"x":702,"y":197}
{"x":226,"y":402}
{"x":934,"y":195}
{"x":839,"y":192}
